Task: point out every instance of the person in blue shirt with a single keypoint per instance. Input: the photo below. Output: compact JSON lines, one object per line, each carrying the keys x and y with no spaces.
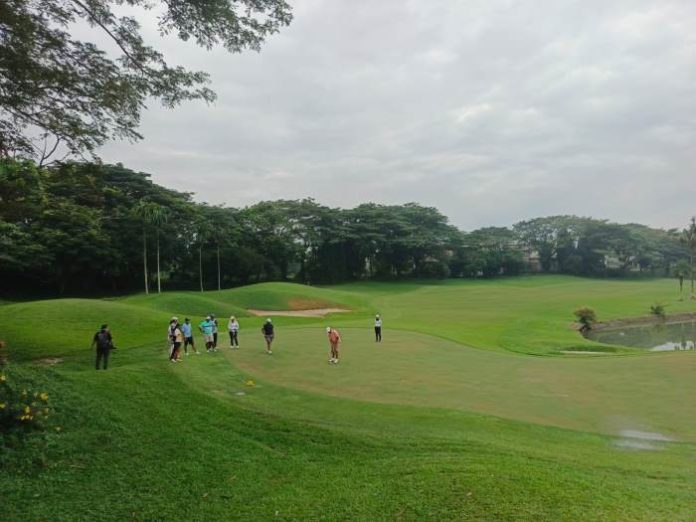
{"x":188,"y":337}
{"x":207,"y":327}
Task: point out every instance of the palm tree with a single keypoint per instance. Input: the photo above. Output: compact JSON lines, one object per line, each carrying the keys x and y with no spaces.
{"x":159,"y":218}
{"x":688,"y":237}
{"x":218,"y":266}
{"x":204,"y":231}
{"x":681,"y":270}
{"x":152,"y":214}
{"x":141,"y":210}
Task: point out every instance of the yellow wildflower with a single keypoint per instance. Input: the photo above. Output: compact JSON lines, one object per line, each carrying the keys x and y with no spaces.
{"x":58,"y":428}
{"x":2,"y":377}
{"x":2,"y":405}
{"x":44,"y":396}
{"x":27,"y":409}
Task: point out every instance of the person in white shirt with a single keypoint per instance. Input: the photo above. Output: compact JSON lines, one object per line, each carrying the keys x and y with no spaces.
{"x":378,"y":329}
{"x":233,"y":328}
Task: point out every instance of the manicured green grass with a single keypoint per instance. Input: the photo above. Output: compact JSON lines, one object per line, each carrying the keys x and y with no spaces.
{"x":526,"y":314}
{"x":596,"y":394}
{"x":451,"y":418}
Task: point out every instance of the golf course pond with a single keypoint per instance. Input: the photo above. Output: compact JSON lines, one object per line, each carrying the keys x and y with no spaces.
{"x":652,"y":337}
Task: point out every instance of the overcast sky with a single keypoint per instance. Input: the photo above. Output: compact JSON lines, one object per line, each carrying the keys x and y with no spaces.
{"x":493,"y":111}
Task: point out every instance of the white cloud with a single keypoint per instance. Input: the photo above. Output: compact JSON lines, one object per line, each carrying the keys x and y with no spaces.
{"x":491,"y":110}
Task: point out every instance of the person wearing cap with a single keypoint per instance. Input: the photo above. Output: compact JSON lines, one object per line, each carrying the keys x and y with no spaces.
{"x":187,"y":330}
{"x":334,"y":340}
{"x":206,"y":327}
{"x":268,"y":334}
{"x":104,"y":344}
{"x":175,"y":339}
{"x":233,"y":328}
{"x":378,"y":329}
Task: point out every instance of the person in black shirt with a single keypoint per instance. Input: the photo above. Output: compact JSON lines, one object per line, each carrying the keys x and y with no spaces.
{"x":268,"y":335}
{"x":104,"y":344}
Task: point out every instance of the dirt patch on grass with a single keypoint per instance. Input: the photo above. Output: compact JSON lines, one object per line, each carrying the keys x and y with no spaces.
{"x":50,"y":361}
{"x":641,"y":440}
{"x":315,"y":312}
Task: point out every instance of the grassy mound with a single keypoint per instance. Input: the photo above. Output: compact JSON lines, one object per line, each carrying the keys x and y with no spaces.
{"x":263,"y":296}
{"x":64,"y":327}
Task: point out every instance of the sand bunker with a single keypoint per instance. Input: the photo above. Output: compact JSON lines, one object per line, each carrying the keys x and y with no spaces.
{"x":315,"y":312}
{"x":580,"y":352}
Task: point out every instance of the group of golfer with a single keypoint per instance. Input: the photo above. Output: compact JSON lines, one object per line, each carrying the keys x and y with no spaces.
{"x":179,"y":334}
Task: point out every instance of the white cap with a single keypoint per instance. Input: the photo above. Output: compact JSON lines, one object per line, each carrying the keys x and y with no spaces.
{"x":269,"y":320}
{"x":328,"y":329}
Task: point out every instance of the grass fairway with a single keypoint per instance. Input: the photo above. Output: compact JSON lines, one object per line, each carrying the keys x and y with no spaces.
{"x":469,"y":410}
{"x":593,"y":394}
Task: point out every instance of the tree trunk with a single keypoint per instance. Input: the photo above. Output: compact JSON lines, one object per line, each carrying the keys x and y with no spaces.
{"x":147,"y":290}
{"x":218,"y":266}
{"x":159,"y":284}
{"x":200,"y":266}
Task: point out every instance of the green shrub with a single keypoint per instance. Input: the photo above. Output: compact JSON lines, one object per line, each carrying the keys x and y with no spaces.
{"x":658,"y":309}
{"x":586,"y":317}
{"x":21,"y":412}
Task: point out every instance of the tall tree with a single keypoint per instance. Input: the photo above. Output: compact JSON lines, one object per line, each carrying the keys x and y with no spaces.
{"x":153,"y":215}
{"x":681,"y":270}
{"x":203,"y":232}
{"x":688,"y":238}
{"x":159,"y":216}
{"x":78,"y":95}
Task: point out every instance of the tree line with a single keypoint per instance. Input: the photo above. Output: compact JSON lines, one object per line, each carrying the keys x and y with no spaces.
{"x":80,"y":227}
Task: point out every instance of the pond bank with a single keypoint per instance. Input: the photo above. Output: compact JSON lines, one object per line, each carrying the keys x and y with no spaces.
{"x":645,"y":320}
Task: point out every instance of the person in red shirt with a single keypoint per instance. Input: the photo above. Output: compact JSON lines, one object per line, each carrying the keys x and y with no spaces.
{"x":334,"y":340}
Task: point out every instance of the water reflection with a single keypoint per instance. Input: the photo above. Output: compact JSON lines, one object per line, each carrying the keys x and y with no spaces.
{"x":656,"y":338}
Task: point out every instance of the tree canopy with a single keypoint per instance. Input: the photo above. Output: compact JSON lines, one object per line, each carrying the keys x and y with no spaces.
{"x":75,"y":93}
{"x":84,"y":227}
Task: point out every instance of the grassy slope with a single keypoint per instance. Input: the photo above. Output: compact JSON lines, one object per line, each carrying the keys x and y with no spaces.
{"x":152,"y":441}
